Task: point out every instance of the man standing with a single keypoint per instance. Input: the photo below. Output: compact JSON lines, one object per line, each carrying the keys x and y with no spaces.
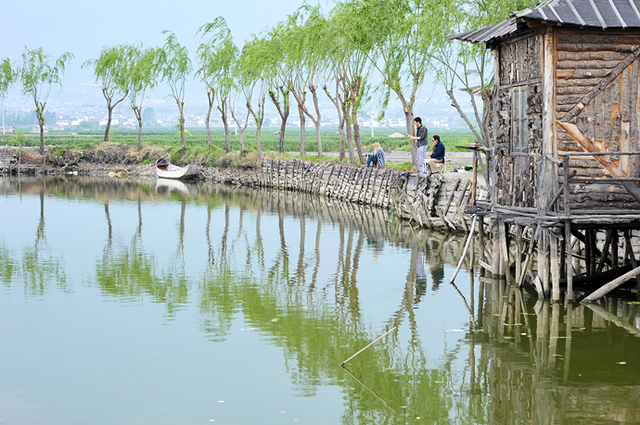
{"x":421,"y":142}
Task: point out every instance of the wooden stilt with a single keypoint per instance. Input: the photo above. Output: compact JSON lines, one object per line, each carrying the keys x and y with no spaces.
{"x":554,"y":266}
{"x":569,"y":260}
{"x":632,"y":257}
{"x":497,"y":263}
{"x":605,"y":251}
{"x":504,"y":246}
{"x":614,"y":250}
{"x":481,"y":237}
{"x":518,"y":252}
{"x":543,"y":260}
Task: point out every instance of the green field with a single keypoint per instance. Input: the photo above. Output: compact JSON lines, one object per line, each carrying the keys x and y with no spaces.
{"x":197,"y":137}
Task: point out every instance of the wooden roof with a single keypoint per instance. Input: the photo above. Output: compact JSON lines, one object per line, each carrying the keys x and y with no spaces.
{"x":602,"y":14}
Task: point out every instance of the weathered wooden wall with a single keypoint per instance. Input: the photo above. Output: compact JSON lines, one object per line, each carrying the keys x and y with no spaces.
{"x":514,"y":173}
{"x":597,"y":89}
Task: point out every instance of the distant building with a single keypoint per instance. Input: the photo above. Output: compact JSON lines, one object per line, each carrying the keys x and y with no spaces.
{"x":7,"y":129}
{"x":36,"y":129}
{"x":57,"y":127}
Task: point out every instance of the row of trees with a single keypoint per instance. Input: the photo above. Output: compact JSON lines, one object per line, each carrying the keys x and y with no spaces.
{"x":340,"y":54}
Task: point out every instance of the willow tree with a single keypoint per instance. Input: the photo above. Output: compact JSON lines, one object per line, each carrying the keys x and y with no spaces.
{"x":278,"y":75}
{"x":350,"y":60}
{"x":7,"y":77}
{"x":175,"y":68}
{"x":216,"y":55}
{"x":311,"y":63}
{"x":112,"y":70}
{"x":295,"y":44}
{"x":400,"y":39}
{"x":252,"y":76}
{"x":38,"y":73}
{"x":143,"y":76}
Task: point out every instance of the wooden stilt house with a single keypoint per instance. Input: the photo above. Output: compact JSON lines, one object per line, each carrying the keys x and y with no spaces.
{"x":565,"y":145}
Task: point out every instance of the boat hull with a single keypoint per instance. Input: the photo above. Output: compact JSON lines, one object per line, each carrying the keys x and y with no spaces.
{"x":178,"y":173}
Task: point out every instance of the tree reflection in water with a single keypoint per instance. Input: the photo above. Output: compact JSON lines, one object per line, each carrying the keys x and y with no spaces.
{"x":522,"y":361}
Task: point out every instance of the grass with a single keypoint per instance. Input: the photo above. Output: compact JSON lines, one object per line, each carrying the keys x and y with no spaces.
{"x":168,"y":141}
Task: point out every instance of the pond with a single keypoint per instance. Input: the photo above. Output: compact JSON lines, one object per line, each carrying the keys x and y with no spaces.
{"x":135,"y":302}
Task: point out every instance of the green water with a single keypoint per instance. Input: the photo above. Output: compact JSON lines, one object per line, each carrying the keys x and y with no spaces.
{"x":125,"y":302}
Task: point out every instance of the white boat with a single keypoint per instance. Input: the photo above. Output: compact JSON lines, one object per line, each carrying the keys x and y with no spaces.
{"x":166,"y":170}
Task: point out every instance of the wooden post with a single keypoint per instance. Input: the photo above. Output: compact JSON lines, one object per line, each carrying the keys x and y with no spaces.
{"x":543,"y":260}
{"x":481,"y":237}
{"x":504,"y":246}
{"x":554,"y":266}
{"x":497,"y":263}
{"x":518,"y":252}
{"x":568,"y":259}
{"x":547,"y":174}
{"x":614,"y":250}
{"x":474,"y":182}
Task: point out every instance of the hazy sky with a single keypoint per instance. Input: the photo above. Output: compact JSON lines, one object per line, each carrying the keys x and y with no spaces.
{"x":83,"y":27}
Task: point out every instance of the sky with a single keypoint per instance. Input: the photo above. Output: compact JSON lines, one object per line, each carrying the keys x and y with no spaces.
{"x":83,"y":27}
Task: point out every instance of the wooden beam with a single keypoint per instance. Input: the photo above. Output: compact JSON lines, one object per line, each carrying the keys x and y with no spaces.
{"x":610,"y":166}
{"x":604,"y":290}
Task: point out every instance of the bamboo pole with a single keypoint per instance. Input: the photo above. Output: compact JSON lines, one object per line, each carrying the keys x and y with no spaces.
{"x":466,"y":247}
{"x":373,"y":342}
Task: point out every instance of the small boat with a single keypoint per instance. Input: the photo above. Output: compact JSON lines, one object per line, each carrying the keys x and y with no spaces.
{"x":166,"y":170}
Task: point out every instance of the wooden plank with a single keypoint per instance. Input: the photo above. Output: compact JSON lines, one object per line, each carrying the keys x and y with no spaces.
{"x":593,"y":47}
{"x":598,"y":55}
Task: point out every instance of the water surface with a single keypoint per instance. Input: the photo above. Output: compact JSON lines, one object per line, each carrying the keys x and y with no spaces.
{"x":127,"y":302}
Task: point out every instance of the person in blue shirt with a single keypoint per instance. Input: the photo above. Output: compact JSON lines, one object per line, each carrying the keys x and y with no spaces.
{"x":436,"y":156}
{"x":378,"y":157}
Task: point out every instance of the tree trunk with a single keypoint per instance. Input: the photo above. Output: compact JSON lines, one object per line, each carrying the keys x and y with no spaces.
{"x":138,"y":114}
{"x":303,"y":132}
{"x":283,"y":111}
{"x":408,"y":118}
{"x":109,"y":115}
{"x":222,"y":107}
{"x":356,"y":137}
{"x":40,"y":117}
{"x":258,"y":142}
{"x":283,"y":127}
{"x":207,"y":121}
{"x":183,"y":150}
{"x":347,"y":114}
{"x":316,"y":122}
{"x":337,"y":102}
{"x":241,"y":140}
{"x":41,"y":137}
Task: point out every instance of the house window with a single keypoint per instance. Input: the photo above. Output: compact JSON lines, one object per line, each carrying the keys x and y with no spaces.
{"x":519,"y":127}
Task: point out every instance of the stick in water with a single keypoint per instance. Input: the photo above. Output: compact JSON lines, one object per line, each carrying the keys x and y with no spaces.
{"x":376,"y":340}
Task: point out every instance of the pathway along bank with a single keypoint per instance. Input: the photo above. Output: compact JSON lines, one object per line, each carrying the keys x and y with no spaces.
{"x":435,"y":202}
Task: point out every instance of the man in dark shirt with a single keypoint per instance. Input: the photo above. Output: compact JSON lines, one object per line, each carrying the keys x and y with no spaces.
{"x":421,"y":141}
{"x":437,"y":155}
